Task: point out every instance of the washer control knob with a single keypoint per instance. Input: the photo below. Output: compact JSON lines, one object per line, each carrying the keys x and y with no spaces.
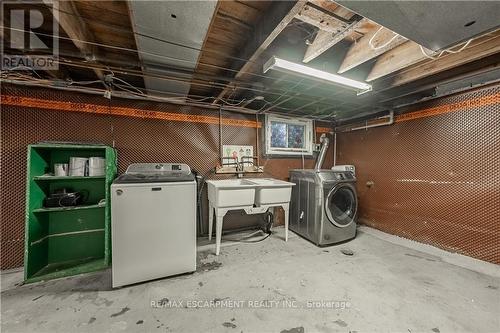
{"x":119,"y":192}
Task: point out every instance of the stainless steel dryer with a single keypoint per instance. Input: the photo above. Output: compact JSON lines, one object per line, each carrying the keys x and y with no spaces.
{"x":323,"y":207}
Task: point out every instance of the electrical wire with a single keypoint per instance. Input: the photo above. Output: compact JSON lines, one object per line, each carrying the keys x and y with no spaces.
{"x":433,"y":57}
{"x":152,"y":54}
{"x":117,"y":28}
{"x":183,"y":96}
{"x":119,"y":48}
{"x":128,"y":84}
{"x":175,"y":100}
{"x":70,"y":82}
{"x":24,"y":68}
{"x":232,"y":104}
{"x":222,"y":86}
{"x":370,"y":42}
{"x":156,"y":76}
{"x":298,"y":24}
{"x":460,"y":49}
{"x":243,"y":240}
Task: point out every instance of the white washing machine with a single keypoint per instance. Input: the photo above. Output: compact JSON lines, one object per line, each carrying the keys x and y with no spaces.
{"x":153,"y":222}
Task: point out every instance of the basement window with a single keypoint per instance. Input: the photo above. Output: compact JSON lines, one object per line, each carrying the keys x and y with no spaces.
{"x":288,"y":136}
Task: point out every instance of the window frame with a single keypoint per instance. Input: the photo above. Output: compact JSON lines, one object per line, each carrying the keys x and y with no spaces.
{"x":308,"y":136}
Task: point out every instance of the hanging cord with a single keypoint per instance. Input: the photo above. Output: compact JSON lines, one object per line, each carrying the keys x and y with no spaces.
{"x":370,"y":42}
{"x":430,"y":56}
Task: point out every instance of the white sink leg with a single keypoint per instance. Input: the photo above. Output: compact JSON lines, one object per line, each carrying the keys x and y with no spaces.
{"x":286,"y":208}
{"x":218,"y":229}
{"x":210,"y":219}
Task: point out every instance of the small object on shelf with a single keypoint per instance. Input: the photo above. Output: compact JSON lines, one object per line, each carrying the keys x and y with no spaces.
{"x":96,"y":166}
{"x":63,"y":198}
{"x":60,"y":169}
{"x":78,"y":166}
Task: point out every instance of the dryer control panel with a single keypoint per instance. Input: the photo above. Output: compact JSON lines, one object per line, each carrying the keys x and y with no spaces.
{"x":337,"y":176}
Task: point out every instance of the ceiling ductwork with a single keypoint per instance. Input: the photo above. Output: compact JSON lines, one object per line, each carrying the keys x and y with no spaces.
{"x":174,"y":30}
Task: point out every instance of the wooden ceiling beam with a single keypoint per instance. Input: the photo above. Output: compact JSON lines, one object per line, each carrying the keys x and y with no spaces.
{"x":322,"y":20}
{"x":410,"y":53}
{"x":324,"y":40}
{"x":76,"y":28}
{"x":334,"y":26}
{"x":360,"y":52}
{"x":279,"y":15}
{"x":483,"y":47}
{"x":404,"y":55}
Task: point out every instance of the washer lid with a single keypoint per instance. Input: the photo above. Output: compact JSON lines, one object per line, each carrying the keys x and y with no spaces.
{"x":341,"y":205}
{"x":156,"y":173}
{"x":153,"y":178}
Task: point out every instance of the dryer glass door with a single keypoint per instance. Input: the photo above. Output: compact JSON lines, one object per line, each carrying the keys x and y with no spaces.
{"x":341,"y":205}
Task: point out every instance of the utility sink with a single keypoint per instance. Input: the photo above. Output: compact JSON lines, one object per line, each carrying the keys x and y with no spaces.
{"x":231,"y":192}
{"x":271,"y":191}
{"x":254,"y":195}
{"x":248,"y":192}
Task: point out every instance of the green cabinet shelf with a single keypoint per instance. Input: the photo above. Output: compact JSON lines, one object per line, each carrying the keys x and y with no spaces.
{"x":65,"y":209}
{"x":53,"y":178}
{"x":65,"y":241}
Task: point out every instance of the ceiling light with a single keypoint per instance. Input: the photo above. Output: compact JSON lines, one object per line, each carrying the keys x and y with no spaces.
{"x":288,"y":66}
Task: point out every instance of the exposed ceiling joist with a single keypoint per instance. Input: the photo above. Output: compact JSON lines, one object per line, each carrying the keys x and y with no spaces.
{"x":325,"y":40}
{"x":406,"y":54}
{"x":478,"y":49}
{"x":76,"y":28}
{"x":323,"y":20}
{"x":410,"y":53}
{"x":276,"y":19}
{"x":381,"y":40}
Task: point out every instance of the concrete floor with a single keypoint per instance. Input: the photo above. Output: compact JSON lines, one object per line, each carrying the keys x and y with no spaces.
{"x":382,"y":287}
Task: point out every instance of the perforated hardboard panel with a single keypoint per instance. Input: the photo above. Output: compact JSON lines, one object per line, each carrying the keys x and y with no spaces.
{"x":136,"y":140}
{"x":435,"y":179}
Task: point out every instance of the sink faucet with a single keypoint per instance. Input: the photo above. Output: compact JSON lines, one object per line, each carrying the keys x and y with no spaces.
{"x":240,"y":169}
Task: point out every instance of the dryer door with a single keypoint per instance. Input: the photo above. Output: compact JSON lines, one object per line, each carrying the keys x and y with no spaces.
{"x":341,"y":205}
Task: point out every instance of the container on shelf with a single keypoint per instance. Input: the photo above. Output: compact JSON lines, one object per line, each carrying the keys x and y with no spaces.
{"x":60,"y":169}
{"x":78,"y":166}
{"x":96,"y":166}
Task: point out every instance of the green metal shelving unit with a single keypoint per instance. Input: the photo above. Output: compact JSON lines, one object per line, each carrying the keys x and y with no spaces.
{"x":66,"y":241}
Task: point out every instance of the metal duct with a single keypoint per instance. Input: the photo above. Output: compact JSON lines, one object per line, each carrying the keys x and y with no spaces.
{"x":325,"y":142}
{"x":174,"y":30}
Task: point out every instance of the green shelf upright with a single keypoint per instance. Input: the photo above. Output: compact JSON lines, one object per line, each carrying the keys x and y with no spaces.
{"x":66,"y":241}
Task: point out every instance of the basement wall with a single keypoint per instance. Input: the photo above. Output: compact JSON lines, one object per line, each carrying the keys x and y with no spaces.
{"x":178,"y":134}
{"x":435,"y":173}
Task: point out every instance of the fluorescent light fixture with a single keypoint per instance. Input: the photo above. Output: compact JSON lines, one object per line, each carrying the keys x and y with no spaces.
{"x":288,"y":66}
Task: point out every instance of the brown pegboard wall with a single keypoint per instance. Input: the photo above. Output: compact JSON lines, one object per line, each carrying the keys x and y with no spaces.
{"x":136,"y":140}
{"x":436,"y":178}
